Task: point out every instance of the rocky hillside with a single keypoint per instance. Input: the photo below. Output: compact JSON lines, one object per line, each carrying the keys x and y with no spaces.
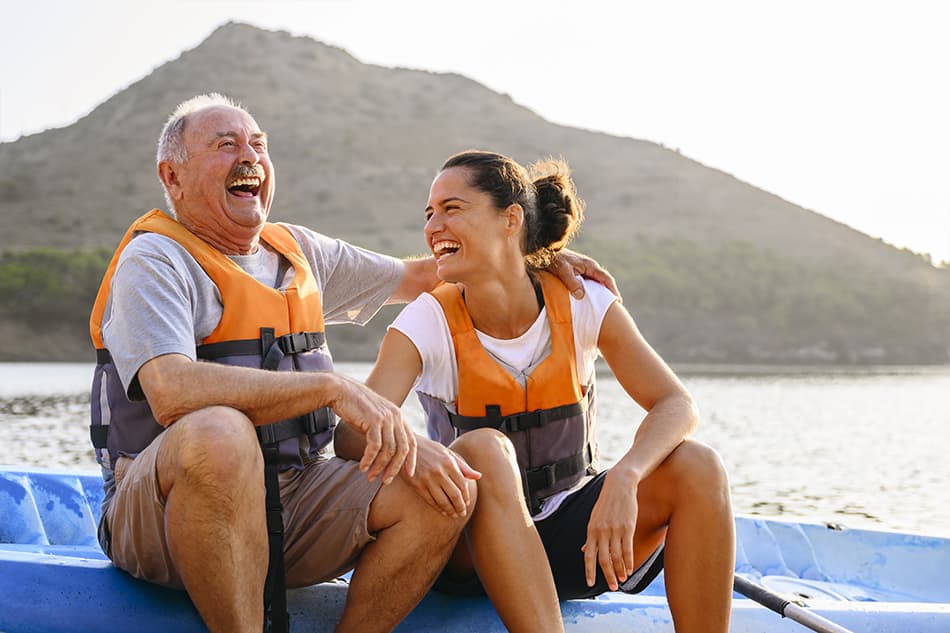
{"x":703,"y":258}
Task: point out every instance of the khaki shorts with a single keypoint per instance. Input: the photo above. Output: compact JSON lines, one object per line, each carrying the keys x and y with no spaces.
{"x":326,"y":506}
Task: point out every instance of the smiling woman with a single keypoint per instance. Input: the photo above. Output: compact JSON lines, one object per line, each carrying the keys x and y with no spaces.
{"x":502,"y":359}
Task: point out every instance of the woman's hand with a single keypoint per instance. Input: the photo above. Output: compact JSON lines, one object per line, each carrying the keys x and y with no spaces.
{"x":440,"y":478}
{"x":610,"y":531}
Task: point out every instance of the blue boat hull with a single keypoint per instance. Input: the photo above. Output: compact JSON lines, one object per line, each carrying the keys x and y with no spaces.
{"x":54,"y":578}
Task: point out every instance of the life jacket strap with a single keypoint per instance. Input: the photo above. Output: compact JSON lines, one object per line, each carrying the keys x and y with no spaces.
{"x":545,"y":476}
{"x":518,"y":421}
{"x":99,"y":434}
{"x":307,"y":424}
{"x":276,"y":617}
{"x":286,"y":344}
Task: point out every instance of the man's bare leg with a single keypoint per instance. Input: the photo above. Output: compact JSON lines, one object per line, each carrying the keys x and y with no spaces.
{"x":687,"y":498}
{"x":413,"y":542}
{"x":211,"y":473}
{"x":508,"y":554}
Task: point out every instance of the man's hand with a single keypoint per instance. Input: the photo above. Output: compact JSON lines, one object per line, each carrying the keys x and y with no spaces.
{"x":567,"y":264}
{"x":390,"y":443}
{"x":440,"y":478}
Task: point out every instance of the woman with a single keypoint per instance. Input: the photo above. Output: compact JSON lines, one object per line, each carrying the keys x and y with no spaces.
{"x":503,"y":346}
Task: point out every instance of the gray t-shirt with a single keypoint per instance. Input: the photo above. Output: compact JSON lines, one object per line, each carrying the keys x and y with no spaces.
{"x":169,"y":305}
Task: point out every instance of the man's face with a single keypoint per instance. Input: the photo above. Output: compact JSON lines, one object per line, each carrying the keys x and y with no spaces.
{"x":226,"y":184}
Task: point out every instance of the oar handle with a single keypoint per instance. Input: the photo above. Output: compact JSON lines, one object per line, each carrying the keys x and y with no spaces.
{"x":760,"y":594}
{"x":786,"y":608}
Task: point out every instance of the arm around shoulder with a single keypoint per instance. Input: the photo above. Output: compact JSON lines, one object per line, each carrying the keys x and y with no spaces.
{"x":419,"y":275}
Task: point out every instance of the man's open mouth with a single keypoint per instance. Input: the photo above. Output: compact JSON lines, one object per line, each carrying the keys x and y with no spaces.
{"x":246,"y":187}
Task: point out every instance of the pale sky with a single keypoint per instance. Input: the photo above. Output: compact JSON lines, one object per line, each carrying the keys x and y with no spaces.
{"x":842,"y":107}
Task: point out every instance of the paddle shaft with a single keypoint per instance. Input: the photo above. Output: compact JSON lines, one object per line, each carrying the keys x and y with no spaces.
{"x":785,"y":608}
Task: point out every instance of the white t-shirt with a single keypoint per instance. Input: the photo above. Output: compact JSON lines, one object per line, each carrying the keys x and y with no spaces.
{"x":423,"y":322}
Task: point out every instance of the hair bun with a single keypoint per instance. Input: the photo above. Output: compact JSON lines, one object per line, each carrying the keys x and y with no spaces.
{"x":559,"y":211}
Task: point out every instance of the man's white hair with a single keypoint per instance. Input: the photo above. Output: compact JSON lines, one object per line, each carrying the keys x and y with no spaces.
{"x":171,"y":142}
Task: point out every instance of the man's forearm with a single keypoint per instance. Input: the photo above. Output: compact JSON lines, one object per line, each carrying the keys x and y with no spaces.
{"x":175,"y":386}
{"x":418,"y":276}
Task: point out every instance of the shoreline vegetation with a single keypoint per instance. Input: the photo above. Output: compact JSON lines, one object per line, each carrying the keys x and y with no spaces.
{"x":729,"y":305}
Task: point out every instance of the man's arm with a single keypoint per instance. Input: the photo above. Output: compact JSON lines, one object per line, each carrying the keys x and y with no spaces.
{"x":175,"y":386}
{"x":420,"y":275}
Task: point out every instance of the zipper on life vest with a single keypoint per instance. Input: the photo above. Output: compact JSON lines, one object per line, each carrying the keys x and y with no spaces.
{"x":528,"y":432}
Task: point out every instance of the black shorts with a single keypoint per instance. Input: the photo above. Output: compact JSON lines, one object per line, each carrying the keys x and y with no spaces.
{"x":563,"y":534}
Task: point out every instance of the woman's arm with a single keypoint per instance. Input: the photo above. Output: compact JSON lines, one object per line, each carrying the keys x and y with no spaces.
{"x":671,"y":412}
{"x":397,"y":367}
{"x":671,"y":418}
{"x":440,"y":473}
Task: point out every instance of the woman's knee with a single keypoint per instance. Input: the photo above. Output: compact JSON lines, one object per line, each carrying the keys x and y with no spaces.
{"x":485,"y":448}
{"x":400,"y":503}
{"x":698,"y":468}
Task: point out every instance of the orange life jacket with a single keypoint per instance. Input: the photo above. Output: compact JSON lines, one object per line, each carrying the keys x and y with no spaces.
{"x":260,"y":327}
{"x":550,"y":420}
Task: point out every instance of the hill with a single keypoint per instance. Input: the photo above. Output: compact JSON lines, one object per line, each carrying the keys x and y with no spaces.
{"x":713,"y":268}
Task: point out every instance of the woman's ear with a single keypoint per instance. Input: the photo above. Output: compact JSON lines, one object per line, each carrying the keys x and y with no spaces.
{"x":514,"y":217}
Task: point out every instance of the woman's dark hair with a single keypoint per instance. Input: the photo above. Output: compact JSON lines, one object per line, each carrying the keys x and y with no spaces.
{"x":552,"y":211}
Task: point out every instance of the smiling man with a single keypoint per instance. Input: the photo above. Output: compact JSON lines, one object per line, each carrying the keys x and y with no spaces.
{"x":179,"y":441}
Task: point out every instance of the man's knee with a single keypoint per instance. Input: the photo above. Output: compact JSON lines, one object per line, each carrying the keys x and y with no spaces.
{"x":215,"y":444}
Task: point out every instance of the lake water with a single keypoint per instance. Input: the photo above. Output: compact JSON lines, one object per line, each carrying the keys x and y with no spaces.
{"x":861,"y":447}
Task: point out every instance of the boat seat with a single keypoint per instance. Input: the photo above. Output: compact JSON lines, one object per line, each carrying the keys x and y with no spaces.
{"x":49,"y":509}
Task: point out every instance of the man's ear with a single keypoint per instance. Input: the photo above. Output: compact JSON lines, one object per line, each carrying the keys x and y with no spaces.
{"x":169,"y":178}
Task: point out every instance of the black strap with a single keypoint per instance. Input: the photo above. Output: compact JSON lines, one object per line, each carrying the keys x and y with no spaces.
{"x":287,"y":344}
{"x":308,"y":424}
{"x":543,"y":477}
{"x":276,"y":618}
{"x":99,"y":434}
{"x":103,"y":357}
{"x":518,"y":421}
{"x":538,"y":292}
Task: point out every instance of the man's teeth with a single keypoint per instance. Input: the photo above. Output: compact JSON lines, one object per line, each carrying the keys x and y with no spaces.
{"x":245,"y":182}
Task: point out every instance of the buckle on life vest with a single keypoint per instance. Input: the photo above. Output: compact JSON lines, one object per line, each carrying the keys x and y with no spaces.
{"x":522,"y":421}
{"x":273,"y":349}
{"x":306,"y":424}
{"x":300,"y":342}
{"x":549,"y":472}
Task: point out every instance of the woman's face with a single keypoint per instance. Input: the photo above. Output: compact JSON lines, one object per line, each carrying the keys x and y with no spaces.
{"x":467,"y":234}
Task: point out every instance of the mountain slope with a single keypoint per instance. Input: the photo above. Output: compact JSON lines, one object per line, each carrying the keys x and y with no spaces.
{"x":356,"y":146}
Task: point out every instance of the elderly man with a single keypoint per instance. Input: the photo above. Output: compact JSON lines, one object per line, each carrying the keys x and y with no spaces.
{"x":180,"y":441}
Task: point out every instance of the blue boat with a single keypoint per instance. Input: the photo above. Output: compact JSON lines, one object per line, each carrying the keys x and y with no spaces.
{"x":55,"y":579}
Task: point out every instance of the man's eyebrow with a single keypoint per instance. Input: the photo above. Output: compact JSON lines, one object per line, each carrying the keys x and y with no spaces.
{"x":232,"y":134}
